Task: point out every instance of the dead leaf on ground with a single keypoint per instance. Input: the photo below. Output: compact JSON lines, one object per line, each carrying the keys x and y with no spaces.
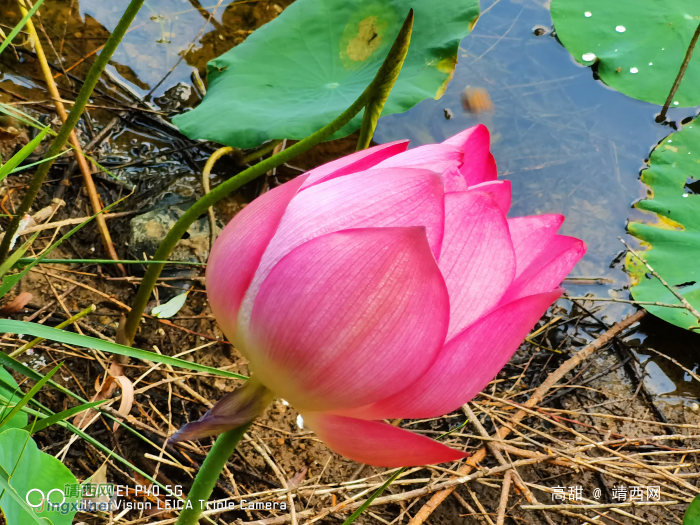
{"x":16,"y":304}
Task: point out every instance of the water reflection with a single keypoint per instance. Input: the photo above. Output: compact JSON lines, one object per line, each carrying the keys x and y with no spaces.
{"x":567,"y":143}
{"x":665,"y":377}
{"x":168,"y":39}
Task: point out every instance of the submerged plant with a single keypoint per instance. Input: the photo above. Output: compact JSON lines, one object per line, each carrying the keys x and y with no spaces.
{"x":386,"y":284}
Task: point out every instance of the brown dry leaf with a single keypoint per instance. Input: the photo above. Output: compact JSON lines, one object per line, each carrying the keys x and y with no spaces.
{"x":297,"y":479}
{"x":115,"y":378}
{"x":127,"y":398}
{"x":103,"y":392}
{"x":16,"y":304}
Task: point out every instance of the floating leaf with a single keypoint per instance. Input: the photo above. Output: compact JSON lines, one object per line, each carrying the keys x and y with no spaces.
{"x":297,"y":73}
{"x":639,"y":45}
{"x":172,"y":307}
{"x":673,"y":240}
{"x":9,"y":390}
{"x":29,"y":468}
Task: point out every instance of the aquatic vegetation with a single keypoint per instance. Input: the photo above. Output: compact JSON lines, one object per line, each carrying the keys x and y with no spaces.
{"x":637,"y":46}
{"x":673,"y":239}
{"x":298,"y":72}
{"x":386,"y":284}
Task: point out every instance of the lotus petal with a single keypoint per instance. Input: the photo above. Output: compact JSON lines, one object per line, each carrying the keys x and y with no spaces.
{"x":478,"y":164}
{"x":466,"y":364}
{"x":549,"y":269}
{"x":354,"y":163}
{"x":477,"y":258}
{"x":500,"y":190}
{"x":434,"y":157}
{"x":393,"y":197}
{"x":329,"y":325}
{"x":238,"y":250}
{"x":530,"y":237}
{"x":379,"y":444}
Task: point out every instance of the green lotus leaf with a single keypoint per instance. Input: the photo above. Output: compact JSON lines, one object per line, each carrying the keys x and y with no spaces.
{"x":692,"y":515}
{"x":297,"y":73}
{"x":29,"y":468}
{"x":11,"y":395}
{"x":639,"y":44}
{"x":673,"y":240}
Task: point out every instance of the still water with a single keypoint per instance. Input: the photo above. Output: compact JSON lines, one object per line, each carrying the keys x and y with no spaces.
{"x":566,"y":142}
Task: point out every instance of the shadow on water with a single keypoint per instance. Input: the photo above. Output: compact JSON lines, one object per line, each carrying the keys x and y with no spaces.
{"x":567,"y":143}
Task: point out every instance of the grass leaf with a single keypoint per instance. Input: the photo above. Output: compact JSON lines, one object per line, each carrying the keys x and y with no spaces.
{"x":19,"y":26}
{"x":9,"y":326}
{"x":29,"y":395}
{"x":60,"y":416}
{"x":22,"y":154}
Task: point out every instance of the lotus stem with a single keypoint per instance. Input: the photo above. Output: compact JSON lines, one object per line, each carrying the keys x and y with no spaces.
{"x":261,"y":151}
{"x":393,"y":60}
{"x":681,"y":72}
{"x":208,"y":475}
{"x":388,"y":74}
{"x":76,"y":112}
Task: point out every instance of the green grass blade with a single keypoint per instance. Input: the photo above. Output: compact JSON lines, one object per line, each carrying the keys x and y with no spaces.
{"x":37,"y":330}
{"x":106,"y":261}
{"x":41,"y":417}
{"x":9,"y":281}
{"x":27,"y":166}
{"x":19,"y":26}
{"x":23,"y":369}
{"x":29,"y":395}
{"x":22,"y":154}
{"x":374,"y":496}
{"x":16,"y":255}
{"x":41,"y":424}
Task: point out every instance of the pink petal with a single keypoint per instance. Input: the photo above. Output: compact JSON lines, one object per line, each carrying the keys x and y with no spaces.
{"x":354,"y":163}
{"x":467,"y":363}
{"x":393,"y":197}
{"x":479,"y":165}
{"x":530,"y":236}
{"x":499,"y":190}
{"x":453,"y":179}
{"x":477,"y":258}
{"x":434,"y":157}
{"x":237,"y":252}
{"x":548,"y":270}
{"x":378,"y":444}
{"x":349,"y":317}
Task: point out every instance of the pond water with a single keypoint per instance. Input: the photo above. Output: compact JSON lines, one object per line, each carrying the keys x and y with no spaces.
{"x":566,"y":142}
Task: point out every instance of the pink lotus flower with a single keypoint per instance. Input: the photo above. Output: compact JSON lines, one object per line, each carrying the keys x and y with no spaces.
{"x":386,"y":284}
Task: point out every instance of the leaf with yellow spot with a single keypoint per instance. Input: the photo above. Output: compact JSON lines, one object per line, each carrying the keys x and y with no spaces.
{"x":297,"y":73}
{"x":672,"y":241}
